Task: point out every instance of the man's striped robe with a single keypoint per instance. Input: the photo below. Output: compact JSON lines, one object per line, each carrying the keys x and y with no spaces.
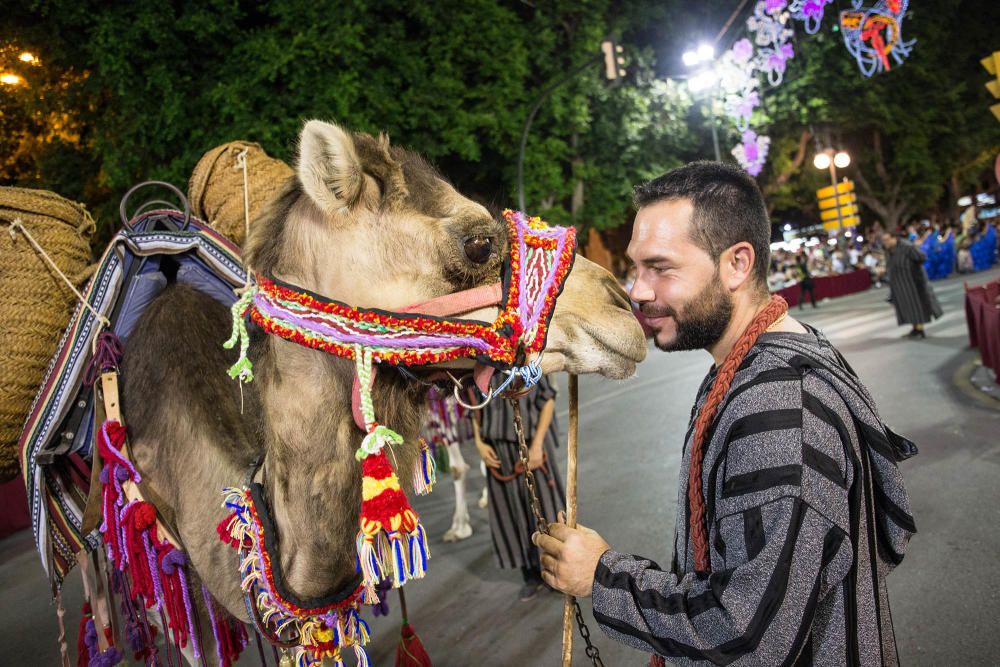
{"x":806,"y":514}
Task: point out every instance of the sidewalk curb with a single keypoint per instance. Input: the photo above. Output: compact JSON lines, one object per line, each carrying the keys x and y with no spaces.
{"x":977,"y":382}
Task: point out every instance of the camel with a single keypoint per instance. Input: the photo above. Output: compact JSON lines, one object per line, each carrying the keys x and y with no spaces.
{"x":369,"y":224}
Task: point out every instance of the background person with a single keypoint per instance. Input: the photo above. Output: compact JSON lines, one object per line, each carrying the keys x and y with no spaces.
{"x":511,"y":519}
{"x":912,"y":294}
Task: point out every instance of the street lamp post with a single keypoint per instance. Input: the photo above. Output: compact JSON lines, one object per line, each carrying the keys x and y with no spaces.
{"x":704,"y":80}
{"x":827,"y":159}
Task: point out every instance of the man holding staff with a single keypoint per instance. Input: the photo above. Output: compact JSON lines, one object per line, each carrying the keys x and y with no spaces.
{"x":791,"y":510}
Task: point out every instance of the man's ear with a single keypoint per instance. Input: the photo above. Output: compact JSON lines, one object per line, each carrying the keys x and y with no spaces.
{"x":736,"y":265}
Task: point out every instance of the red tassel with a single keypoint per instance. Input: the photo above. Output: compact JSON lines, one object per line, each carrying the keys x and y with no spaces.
{"x":139,"y":518}
{"x":410,"y":652}
{"x":657,"y":661}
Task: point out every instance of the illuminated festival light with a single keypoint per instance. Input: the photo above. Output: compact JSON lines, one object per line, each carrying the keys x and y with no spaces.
{"x":872,"y":35}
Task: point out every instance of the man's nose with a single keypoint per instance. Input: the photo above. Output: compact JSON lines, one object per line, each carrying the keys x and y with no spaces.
{"x":641,"y":292}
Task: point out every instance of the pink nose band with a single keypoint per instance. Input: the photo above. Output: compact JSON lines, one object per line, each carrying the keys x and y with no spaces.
{"x":456,"y":303}
{"x":459,"y":303}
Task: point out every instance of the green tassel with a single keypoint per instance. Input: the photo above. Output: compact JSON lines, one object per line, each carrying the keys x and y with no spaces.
{"x":379,"y":437}
{"x":243,"y":368}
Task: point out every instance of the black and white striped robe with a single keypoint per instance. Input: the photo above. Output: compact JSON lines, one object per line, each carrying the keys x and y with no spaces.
{"x":912,"y":295}
{"x":511,"y":519}
{"x":806,"y":513}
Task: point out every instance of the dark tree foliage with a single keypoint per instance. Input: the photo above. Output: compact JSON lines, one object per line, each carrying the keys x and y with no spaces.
{"x":129,"y":91}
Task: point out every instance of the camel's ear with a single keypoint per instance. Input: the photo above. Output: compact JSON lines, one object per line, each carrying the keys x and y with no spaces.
{"x":329,"y":167}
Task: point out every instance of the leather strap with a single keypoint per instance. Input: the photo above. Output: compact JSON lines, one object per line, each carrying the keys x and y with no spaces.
{"x":519,"y":470}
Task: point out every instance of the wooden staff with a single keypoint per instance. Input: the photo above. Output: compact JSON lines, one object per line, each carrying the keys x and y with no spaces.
{"x":574,"y":422}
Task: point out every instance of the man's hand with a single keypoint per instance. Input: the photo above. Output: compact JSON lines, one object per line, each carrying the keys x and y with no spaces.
{"x":488,"y":454}
{"x":569,"y":557}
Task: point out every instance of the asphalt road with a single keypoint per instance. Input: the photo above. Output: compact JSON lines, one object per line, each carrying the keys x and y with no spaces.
{"x":945,"y":596}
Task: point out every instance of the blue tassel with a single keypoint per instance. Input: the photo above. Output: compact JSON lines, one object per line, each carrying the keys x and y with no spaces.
{"x":399,"y":560}
{"x":418,"y":553}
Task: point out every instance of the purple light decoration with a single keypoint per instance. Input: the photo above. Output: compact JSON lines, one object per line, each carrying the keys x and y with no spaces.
{"x":810,"y":13}
{"x":752,"y":152}
{"x":743,"y":51}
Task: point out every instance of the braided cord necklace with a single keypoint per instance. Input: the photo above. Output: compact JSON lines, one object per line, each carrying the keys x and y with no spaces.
{"x":770,"y":315}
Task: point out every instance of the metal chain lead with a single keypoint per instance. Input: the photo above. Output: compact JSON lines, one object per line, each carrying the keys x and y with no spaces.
{"x":543,"y":527}
{"x":591,"y":650}
{"x":529,"y":478}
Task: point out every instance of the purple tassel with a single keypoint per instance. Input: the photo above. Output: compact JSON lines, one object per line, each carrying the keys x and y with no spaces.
{"x":153,"y":571}
{"x":107,"y":355}
{"x":90,"y":639}
{"x":134,"y":637}
{"x":382,"y":589}
{"x":211,"y":618}
{"x":109,"y":658}
{"x":175,"y":561}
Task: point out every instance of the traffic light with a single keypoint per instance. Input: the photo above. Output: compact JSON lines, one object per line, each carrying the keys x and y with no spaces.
{"x":614,"y":60}
{"x":992,"y":65}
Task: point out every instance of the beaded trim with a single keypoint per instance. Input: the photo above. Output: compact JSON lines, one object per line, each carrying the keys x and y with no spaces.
{"x":322,"y":632}
{"x":540,"y":259}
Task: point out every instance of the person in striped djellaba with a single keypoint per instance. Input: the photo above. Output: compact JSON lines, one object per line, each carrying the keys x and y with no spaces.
{"x":911,"y":293}
{"x":791,"y":508}
{"x":511,"y":518}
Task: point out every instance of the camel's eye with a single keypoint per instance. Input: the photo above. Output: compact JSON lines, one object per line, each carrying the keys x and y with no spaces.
{"x":479,"y":248}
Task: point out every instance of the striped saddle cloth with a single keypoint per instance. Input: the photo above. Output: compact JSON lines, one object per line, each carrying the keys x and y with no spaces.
{"x":153,"y":250}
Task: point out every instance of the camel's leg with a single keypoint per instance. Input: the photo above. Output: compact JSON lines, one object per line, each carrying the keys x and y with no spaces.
{"x":484,"y":499}
{"x":460,"y":526}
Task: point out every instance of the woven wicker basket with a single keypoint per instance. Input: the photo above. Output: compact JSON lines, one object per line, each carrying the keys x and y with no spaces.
{"x":35,"y":303}
{"x":216,"y":187}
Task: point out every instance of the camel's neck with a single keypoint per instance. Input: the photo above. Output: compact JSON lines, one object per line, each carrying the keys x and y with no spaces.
{"x":312,"y":479}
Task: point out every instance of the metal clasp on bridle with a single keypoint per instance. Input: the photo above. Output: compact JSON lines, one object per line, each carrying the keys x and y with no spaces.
{"x":529,"y":374}
{"x":458,"y":395}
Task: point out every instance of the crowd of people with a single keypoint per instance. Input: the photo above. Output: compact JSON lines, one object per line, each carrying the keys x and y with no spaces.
{"x":792,"y":267}
{"x":955,"y":248}
{"x":947,"y":249}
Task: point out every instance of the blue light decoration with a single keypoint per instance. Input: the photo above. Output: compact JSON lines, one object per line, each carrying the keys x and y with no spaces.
{"x":875,"y":33}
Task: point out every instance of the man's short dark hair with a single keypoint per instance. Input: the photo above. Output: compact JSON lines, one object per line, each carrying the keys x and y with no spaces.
{"x":728,"y":209}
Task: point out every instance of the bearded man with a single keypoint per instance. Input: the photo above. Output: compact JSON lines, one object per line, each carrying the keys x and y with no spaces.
{"x":791,"y":510}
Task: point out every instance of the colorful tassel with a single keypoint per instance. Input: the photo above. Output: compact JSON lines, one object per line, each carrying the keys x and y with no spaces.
{"x":156,"y":571}
{"x":390,"y":530}
{"x":242,"y":370}
{"x":425,"y":476}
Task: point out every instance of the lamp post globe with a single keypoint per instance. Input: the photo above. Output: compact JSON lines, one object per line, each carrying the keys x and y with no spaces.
{"x":822,"y":161}
{"x":841,"y":160}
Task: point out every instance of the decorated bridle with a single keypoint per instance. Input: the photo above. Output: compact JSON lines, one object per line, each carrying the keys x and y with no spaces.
{"x":391,"y":543}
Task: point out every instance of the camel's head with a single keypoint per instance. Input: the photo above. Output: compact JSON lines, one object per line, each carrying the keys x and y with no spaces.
{"x":374,"y":225}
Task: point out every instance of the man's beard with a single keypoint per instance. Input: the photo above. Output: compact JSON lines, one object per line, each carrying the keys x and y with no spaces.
{"x":703,"y":322}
